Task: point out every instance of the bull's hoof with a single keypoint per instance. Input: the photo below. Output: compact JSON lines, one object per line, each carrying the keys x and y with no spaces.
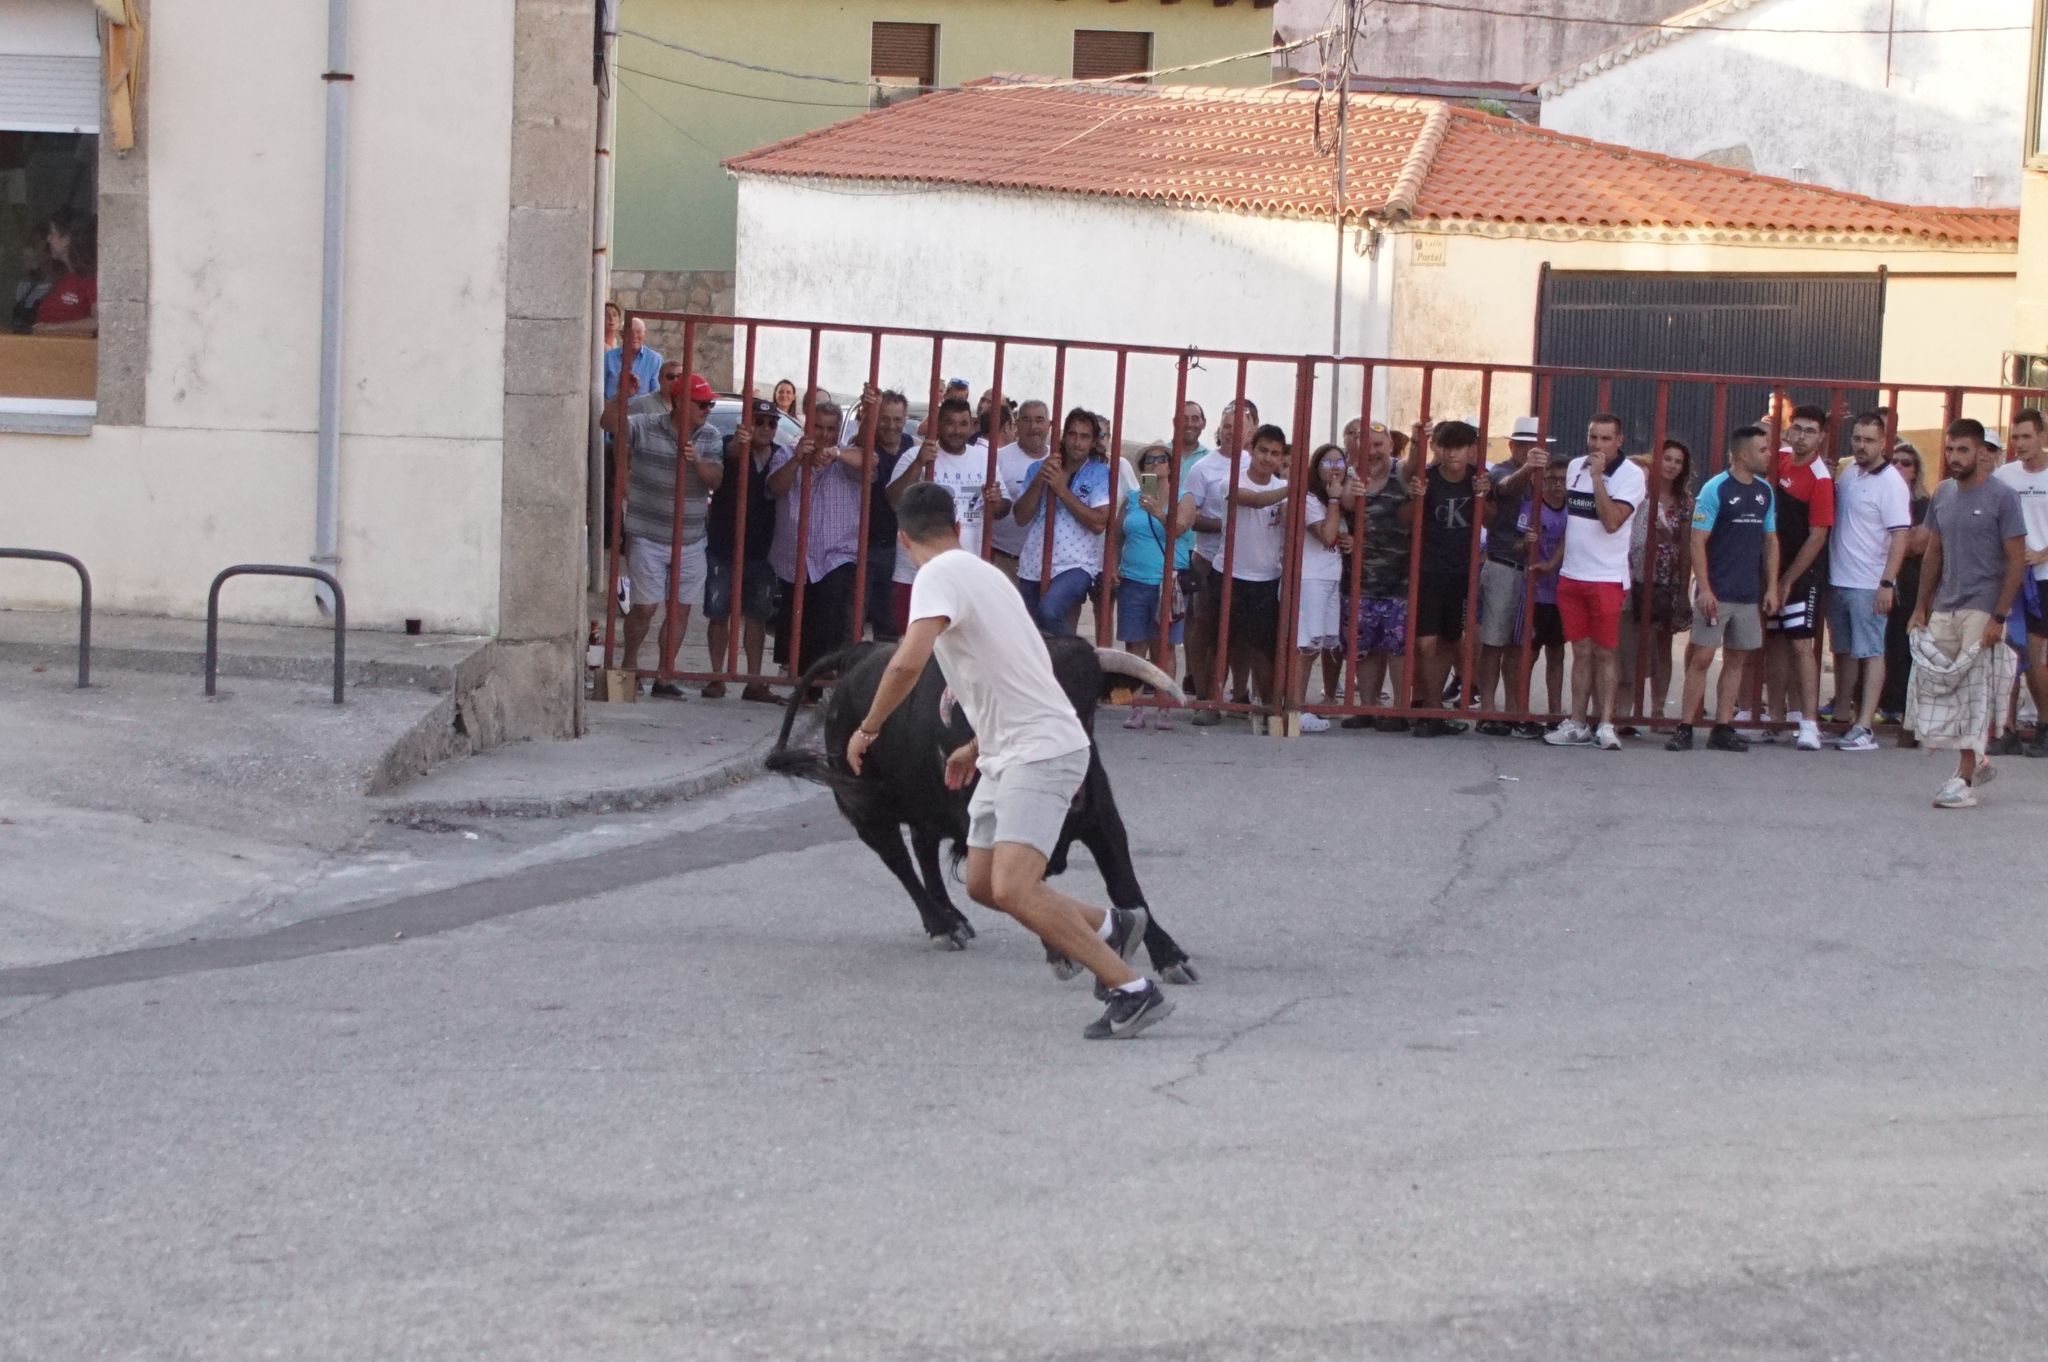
{"x":1182,"y":973}
{"x":967,"y":928}
{"x":955,"y":940}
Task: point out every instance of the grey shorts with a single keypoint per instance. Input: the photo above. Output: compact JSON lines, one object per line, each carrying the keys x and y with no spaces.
{"x":1741,"y":629}
{"x":1026,"y":802}
{"x":1500,"y":602}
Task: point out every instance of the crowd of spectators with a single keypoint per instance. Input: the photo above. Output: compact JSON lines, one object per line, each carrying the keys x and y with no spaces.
{"x":1185,"y":543}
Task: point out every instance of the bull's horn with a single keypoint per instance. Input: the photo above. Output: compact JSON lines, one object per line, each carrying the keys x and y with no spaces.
{"x":1119,"y":663}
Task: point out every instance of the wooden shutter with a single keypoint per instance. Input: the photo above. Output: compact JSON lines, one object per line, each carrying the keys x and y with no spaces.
{"x":905,"y":52}
{"x":1106,"y":54}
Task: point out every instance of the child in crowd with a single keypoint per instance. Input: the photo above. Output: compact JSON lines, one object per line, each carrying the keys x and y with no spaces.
{"x":1319,"y":616}
{"x":1256,"y":554}
{"x":1546,"y":541}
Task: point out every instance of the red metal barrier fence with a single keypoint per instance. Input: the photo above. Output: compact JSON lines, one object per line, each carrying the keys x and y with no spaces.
{"x":1490,"y":396}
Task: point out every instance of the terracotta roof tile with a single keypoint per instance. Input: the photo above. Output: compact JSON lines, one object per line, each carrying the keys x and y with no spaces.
{"x":1256,"y":151}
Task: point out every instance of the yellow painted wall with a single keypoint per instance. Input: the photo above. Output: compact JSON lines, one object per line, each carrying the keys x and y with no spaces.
{"x":2030,"y":322}
{"x":1480,"y":304}
{"x":675,"y":206}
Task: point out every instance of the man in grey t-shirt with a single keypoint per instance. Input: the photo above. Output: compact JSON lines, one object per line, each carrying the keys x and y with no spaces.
{"x":655,"y":467}
{"x":1976,"y":555}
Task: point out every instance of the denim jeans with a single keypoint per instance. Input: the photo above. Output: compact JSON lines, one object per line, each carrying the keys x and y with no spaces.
{"x":1051,"y":606}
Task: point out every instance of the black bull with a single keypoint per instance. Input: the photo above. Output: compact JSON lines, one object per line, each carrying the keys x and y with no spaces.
{"x":903,"y":783}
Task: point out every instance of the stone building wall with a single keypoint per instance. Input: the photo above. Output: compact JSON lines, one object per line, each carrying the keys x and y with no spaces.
{"x":703,"y":291}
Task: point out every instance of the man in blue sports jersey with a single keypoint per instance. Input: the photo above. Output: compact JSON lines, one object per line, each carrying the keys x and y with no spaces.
{"x":1735,"y":584}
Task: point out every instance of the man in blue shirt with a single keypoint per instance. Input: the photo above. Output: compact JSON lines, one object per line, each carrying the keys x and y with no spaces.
{"x":646,"y":361}
{"x":1735,"y":584}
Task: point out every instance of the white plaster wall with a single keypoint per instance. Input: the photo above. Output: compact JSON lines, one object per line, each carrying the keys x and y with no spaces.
{"x":223,"y":470}
{"x":1950,"y":112}
{"x":1049,"y":266}
{"x":51,"y":28}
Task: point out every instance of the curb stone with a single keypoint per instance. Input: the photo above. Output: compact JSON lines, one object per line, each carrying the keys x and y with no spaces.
{"x":735,"y":770}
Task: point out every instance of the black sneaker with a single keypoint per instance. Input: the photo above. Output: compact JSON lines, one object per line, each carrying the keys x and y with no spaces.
{"x":2039,"y":746}
{"x":1529,"y":730}
{"x":1063,"y":969}
{"x":1681,"y":739}
{"x":1494,"y":728}
{"x":1129,"y":1013}
{"x":1724,"y":738}
{"x":1357,"y":721}
{"x":665,"y":690}
{"x":2006,"y":744}
{"x":1391,"y":725}
{"x":1207,"y":718}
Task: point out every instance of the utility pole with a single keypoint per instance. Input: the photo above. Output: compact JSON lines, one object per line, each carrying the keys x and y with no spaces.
{"x":1343,"y":84}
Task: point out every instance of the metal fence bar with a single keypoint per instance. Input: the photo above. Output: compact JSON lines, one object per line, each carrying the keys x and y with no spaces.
{"x":275,"y":570}
{"x":870,"y":475}
{"x":1112,"y":533}
{"x":84,"y":603}
{"x":686,"y":459}
{"x":1468,"y":653}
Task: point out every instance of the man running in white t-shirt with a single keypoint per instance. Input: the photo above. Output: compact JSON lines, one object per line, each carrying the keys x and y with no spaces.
{"x":1028,"y":745}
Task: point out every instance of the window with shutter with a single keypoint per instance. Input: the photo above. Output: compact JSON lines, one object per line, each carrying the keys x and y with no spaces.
{"x":903,"y":61}
{"x":1104,"y":54}
{"x":50,"y":92}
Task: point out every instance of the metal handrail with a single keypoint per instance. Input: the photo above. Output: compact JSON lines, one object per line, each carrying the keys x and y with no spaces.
{"x":274,"y":570}
{"x":84,"y":603}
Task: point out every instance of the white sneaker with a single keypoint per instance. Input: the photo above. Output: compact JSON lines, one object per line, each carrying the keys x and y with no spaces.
{"x":1570,"y":733}
{"x":1258,"y":725}
{"x":1857,"y":739}
{"x":1809,"y":736}
{"x":1955,"y":795}
{"x":1606,"y":739}
{"x":1314,"y":723}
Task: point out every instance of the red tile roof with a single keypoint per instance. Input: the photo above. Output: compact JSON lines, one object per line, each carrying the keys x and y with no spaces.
{"x":1256,"y":151}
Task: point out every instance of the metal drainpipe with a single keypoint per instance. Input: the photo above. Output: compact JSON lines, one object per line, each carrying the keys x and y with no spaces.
{"x":600,"y":290}
{"x":333,"y":208}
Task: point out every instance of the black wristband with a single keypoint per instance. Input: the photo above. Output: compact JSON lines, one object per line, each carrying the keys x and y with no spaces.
{"x":2000,"y":618}
{"x":1888,"y":584}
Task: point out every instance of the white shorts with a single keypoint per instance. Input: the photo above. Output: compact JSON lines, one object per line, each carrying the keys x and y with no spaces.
{"x":1026,"y":802}
{"x":1319,"y":623}
{"x":647,"y":567}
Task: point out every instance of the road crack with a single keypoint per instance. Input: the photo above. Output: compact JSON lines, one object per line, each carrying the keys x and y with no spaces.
{"x":1198,"y":1067}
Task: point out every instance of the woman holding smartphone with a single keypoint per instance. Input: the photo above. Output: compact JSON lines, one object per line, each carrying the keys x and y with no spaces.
{"x":1142,"y":573}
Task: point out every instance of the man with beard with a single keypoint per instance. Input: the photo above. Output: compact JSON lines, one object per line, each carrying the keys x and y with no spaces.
{"x":1976,"y":556}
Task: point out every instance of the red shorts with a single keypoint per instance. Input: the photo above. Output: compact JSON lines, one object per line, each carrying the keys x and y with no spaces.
{"x":1590,"y":610}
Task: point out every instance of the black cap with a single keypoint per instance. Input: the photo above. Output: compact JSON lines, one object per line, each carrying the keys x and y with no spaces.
{"x":763,"y":407}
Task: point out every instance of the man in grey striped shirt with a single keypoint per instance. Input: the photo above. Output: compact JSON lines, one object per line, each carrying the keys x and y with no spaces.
{"x":652,"y":441}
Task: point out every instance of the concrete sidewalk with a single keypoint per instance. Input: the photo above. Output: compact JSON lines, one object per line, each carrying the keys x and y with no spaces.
{"x":138,"y":809}
{"x":632,"y":756}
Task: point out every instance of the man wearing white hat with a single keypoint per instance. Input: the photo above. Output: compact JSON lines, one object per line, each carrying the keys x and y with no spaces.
{"x":1502,"y":569}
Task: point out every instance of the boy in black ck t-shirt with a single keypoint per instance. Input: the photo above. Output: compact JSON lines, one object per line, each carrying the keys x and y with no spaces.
{"x":1446,"y":495}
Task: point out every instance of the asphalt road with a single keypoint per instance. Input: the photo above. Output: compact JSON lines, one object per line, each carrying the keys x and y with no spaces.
{"x":1625,"y":1057}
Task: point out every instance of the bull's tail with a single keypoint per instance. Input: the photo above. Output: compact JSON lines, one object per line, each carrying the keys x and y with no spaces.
{"x":831,"y":664}
{"x":810,"y":763}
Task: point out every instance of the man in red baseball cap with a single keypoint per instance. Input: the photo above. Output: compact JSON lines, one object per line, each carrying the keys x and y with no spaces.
{"x":653,"y":442}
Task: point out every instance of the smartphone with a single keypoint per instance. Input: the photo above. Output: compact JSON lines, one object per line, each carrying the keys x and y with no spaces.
{"x":1148,"y":485}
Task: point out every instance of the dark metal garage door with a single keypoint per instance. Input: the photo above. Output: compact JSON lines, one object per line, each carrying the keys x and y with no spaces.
{"x":1828,"y":326}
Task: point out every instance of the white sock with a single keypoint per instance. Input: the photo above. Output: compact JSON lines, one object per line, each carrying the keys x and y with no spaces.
{"x":1108,"y":922}
{"x":1137,"y":985}
{"x":1794,"y":716}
